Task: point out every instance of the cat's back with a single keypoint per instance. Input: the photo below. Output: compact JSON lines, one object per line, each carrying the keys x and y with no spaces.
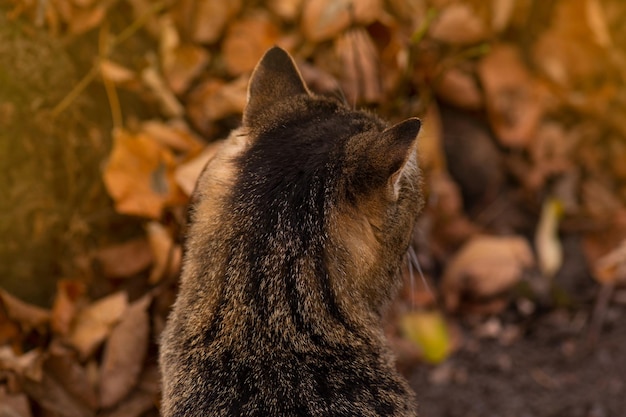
{"x":287,"y":263}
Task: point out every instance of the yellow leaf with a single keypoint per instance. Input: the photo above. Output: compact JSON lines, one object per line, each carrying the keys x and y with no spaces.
{"x":427,"y":330}
{"x":547,"y":243}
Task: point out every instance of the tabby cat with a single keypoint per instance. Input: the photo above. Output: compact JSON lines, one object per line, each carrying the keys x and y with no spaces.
{"x":297,"y":232}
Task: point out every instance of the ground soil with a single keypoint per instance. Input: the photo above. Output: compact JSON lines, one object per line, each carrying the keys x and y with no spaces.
{"x":552,"y":370}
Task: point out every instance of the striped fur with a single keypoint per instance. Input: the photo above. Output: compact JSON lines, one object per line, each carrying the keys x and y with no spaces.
{"x":296,"y":235}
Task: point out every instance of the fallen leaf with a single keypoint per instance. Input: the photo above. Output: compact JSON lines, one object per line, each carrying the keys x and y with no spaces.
{"x":485,"y":267}
{"x":124,"y":353}
{"x":139,"y":175}
{"x":174,"y":134}
{"x":93,"y":324}
{"x":65,"y":370}
{"x":181,"y":62}
{"x":52,"y":396}
{"x":115,"y":72}
{"x":203,"y":21}
{"x":326,"y":19}
{"x":247,"y":40}
{"x":125,"y":259}
{"x":10,"y":333}
{"x":164,"y":251}
{"x":27,"y":315}
{"x":360,"y":76}
{"x":428,"y":330}
{"x":547,"y":242}
{"x":502,"y":12}
{"x":286,"y":9}
{"x":187,"y":174}
{"x":14,"y":405}
{"x":573,"y":48}
{"x":64,"y":307}
{"x":136,"y":405}
{"x":458,"y":24}
{"x":162,"y":92}
{"x":84,"y":19}
{"x":29,"y":364}
{"x":611,"y":268}
{"x":513,"y":97}
{"x":214,"y":99}
{"x":459,"y":88}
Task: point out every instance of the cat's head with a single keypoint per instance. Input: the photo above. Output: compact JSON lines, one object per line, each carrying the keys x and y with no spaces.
{"x":307,"y":174}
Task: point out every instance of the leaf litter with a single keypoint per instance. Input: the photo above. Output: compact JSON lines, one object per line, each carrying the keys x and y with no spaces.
{"x":546,"y":81}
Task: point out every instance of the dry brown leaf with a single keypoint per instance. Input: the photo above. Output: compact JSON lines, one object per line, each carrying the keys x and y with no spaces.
{"x":485,"y":267}
{"x":72,"y":377}
{"x":14,"y":405}
{"x":10,"y":332}
{"x":174,"y":134}
{"x":135,"y":405}
{"x":573,"y":48}
{"x":187,"y":174}
{"x":27,"y":315}
{"x":142,"y":398}
{"x":458,"y":24}
{"x":501,"y":14}
{"x":115,"y":72}
{"x":286,"y":9}
{"x":599,"y":200}
{"x":600,"y":243}
{"x":181,"y":62}
{"x":325,"y":19}
{"x":52,"y":396}
{"x":203,"y":21}
{"x":29,"y":364}
{"x":139,"y":175}
{"x":163,"y":250}
{"x":360,"y":76}
{"x":214,"y":99}
{"x":459,"y":88}
{"x":64,"y":307}
{"x":514,"y":99}
{"x":611,"y":268}
{"x":247,"y":40}
{"x":83,"y":20}
{"x":93,"y":324}
{"x":186,"y":62}
{"x":153,"y":79}
{"x":124,"y":353}
{"x":125,"y":259}
{"x":429,"y":145}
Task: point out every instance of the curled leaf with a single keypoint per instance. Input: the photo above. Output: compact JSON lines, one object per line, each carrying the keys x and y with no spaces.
{"x":428,"y":330}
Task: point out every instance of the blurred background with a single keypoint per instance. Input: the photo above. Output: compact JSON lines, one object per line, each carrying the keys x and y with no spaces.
{"x":515,"y":295}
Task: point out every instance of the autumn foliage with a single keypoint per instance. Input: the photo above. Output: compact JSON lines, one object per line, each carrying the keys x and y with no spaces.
{"x":524,"y":147}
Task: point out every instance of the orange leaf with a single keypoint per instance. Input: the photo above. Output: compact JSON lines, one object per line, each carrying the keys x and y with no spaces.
{"x":139,"y":175}
{"x":247,"y":40}
{"x":69,"y":292}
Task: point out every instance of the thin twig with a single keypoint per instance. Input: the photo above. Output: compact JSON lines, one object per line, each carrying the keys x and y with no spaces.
{"x":91,"y":75}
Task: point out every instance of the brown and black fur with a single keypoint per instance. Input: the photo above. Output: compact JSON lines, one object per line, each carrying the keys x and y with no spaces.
{"x":295,"y":241}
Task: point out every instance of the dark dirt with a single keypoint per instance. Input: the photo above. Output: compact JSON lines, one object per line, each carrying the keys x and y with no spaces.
{"x":551,"y":370}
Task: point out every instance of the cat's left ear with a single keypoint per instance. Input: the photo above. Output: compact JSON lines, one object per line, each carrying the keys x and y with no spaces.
{"x":400,"y":141}
{"x":275,"y":78}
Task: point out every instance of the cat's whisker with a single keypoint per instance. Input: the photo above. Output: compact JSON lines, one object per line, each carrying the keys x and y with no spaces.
{"x":415,"y":262}
{"x":411,"y":279}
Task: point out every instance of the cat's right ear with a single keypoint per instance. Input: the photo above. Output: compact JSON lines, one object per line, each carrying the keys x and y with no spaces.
{"x":274,"y":78}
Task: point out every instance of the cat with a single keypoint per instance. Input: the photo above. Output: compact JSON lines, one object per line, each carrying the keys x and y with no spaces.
{"x":298,"y":229}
